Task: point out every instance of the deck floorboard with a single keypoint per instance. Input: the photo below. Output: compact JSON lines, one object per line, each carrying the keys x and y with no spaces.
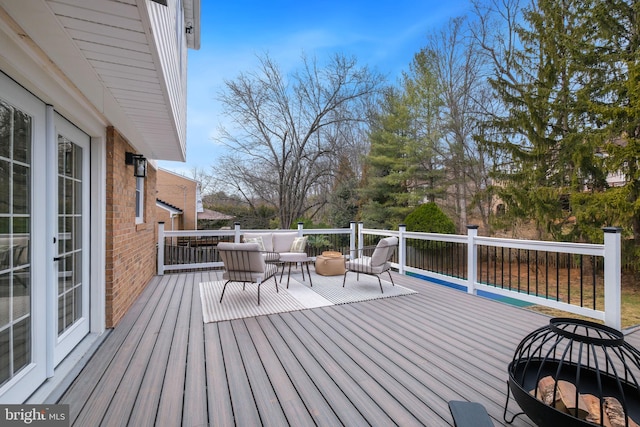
{"x":391,"y":361}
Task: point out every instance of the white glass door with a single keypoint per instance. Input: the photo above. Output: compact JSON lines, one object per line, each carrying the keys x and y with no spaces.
{"x":23,"y":349}
{"x":72,"y":240}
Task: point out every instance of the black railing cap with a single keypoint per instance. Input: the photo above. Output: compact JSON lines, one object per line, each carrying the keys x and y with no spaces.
{"x":472,"y":227}
{"x":612,"y":229}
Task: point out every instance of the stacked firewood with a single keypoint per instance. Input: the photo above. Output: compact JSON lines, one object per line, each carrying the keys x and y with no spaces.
{"x":563,"y":396}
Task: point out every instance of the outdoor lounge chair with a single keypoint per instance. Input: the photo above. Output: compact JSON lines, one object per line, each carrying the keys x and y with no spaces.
{"x":245,"y":263}
{"x":373,"y":260}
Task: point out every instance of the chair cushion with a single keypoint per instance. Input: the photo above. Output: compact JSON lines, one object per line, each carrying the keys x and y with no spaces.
{"x":267,"y":239}
{"x":228,"y":246}
{"x":299,"y":244}
{"x":251,"y":276}
{"x":244,"y":258}
{"x":258,"y":241}
{"x":282,"y":241}
{"x":363,"y":265}
{"x":383,"y":251}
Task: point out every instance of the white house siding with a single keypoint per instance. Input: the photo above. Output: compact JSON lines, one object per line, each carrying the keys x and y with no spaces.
{"x":167,"y":24}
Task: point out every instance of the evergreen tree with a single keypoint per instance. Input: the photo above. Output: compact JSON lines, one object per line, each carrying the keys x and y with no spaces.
{"x":385,"y":192}
{"x":405,"y":164}
{"x":424,"y":143}
{"x":610,"y":56}
{"x":541,"y":136}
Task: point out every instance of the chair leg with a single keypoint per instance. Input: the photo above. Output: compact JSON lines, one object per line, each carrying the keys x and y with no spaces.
{"x":308,"y":273}
{"x":389,"y":272}
{"x":224,"y":288}
{"x":345,"y":278}
{"x":259,"y":283}
{"x":380,"y":281}
{"x":288,"y":275}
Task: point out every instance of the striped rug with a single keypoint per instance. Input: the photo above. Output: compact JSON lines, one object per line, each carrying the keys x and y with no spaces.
{"x":326,"y":291}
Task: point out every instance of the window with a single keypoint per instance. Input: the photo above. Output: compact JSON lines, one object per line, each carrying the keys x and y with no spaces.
{"x":139,"y":200}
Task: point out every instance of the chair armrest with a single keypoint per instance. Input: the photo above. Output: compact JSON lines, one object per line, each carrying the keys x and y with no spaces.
{"x":270,"y":256}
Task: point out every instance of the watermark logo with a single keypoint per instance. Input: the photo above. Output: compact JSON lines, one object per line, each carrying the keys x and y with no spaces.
{"x":34,"y":415}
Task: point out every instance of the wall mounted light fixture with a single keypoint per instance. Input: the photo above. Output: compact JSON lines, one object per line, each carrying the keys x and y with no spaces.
{"x":189,"y":28}
{"x":139,"y":163}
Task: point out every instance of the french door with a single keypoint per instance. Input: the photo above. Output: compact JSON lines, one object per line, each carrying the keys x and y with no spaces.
{"x":23,"y":282}
{"x":72,"y":237}
{"x":44,"y":240}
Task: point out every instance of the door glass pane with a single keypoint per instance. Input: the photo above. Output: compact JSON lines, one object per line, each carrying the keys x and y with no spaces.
{"x":5,"y":185}
{"x":6,"y":121}
{"x":22,"y":137}
{"x":15,"y":241}
{"x":70,"y":184}
{"x":21,"y":189}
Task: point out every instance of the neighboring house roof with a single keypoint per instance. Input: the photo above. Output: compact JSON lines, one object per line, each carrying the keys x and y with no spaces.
{"x":121,"y":57}
{"x":169,"y":207}
{"x":208,"y":214}
{"x":176,"y":174}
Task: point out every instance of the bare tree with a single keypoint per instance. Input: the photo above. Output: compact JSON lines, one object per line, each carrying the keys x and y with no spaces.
{"x":205,"y":179}
{"x":458,"y":66}
{"x":290,"y":130}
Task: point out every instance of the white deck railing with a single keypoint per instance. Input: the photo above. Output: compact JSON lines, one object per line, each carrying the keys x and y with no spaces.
{"x":609,"y":252}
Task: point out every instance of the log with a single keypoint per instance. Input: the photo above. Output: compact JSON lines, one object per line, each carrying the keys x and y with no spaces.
{"x":615,"y":412}
{"x":583,"y":406}
{"x":593,"y":405}
{"x":546,"y":386}
{"x":570,"y":400}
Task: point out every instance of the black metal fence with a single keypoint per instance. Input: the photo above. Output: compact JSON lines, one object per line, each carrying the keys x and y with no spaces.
{"x":572,"y":278}
{"x":446,"y":258}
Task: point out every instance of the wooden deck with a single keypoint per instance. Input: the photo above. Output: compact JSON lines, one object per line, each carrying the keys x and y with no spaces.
{"x":393,"y":361}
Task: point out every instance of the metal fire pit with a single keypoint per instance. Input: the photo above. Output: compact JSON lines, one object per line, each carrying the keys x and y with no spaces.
{"x":595,"y":358}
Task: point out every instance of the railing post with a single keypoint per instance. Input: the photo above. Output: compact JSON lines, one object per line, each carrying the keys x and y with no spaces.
{"x":360,"y":235}
{"x":236,"y":228}
{"x":472,"y":258}
{"x":161,"y":248}
{"x":352,"y":240}
{"x":402,"y":248}
{"x":612,"y":277}
{"x":300,"y":229}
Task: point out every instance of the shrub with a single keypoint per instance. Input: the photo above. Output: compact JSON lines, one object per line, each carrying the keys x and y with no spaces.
{"x":429,"y":218}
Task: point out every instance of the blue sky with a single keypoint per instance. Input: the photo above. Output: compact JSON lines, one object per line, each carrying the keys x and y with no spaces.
{"x":384,"y":35}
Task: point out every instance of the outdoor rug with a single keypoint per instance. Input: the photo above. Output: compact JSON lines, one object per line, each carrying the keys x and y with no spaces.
{"x":326,"y":291}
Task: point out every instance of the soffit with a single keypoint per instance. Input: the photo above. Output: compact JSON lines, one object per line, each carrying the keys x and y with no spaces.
{"x":106,"y":49}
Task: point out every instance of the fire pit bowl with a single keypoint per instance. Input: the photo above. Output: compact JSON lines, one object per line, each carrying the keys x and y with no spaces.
{"x":593,"y":357}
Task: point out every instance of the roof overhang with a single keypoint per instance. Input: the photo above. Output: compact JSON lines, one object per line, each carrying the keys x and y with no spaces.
{"x":173,"y":210}
{"x":123,"y":60}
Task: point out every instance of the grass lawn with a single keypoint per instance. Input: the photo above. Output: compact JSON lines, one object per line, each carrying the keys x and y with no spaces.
{"x":630,"y":303}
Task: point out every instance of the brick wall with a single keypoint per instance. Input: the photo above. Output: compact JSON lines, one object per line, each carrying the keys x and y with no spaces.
{"x":130,"y":247}
{"x":179,"y":191}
